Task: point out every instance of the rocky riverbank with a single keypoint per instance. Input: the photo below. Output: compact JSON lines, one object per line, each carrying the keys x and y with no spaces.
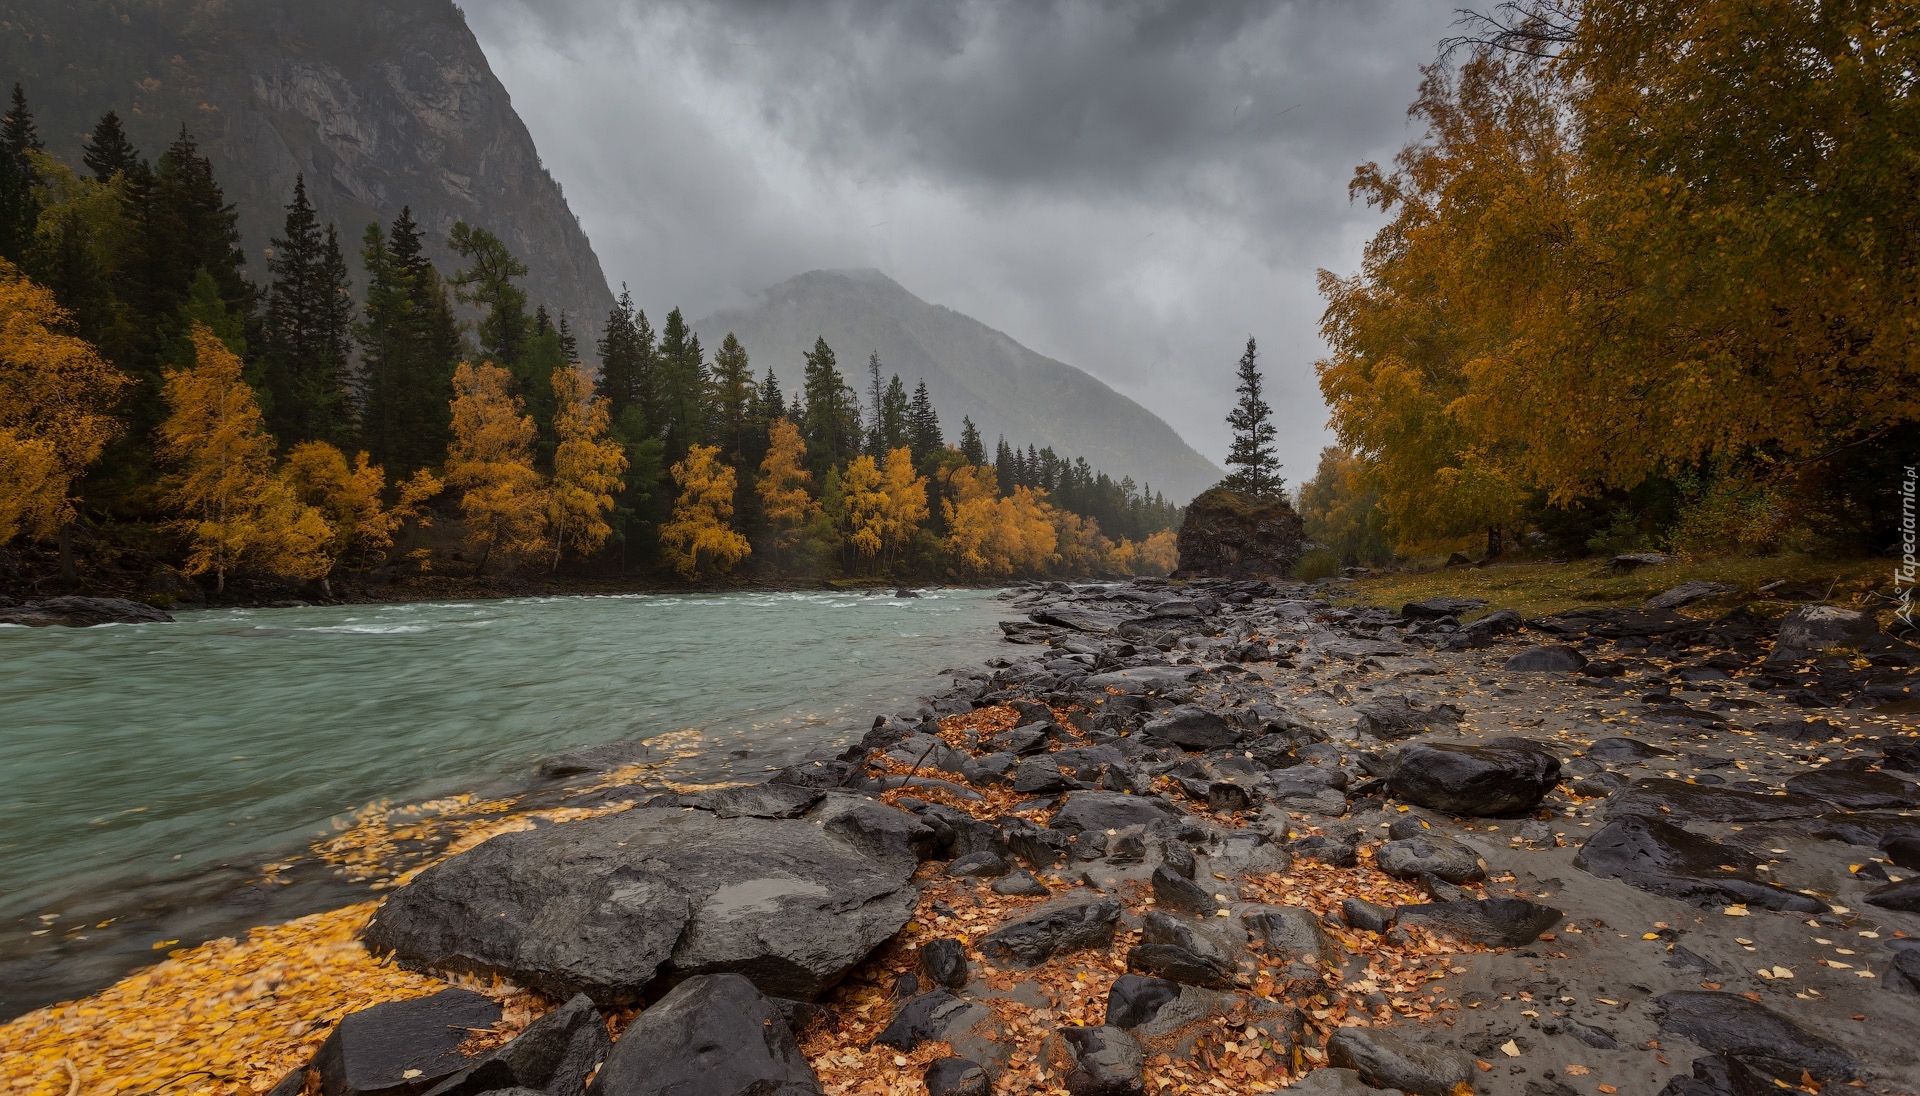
{"x":1222,"y":837}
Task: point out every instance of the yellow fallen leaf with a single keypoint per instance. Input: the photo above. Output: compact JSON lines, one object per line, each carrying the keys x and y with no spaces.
{"x":1510,"y":1048}
{"x":1577,"y":1070}
{"x":1649,"y":936}
{"x":1735,"y":911}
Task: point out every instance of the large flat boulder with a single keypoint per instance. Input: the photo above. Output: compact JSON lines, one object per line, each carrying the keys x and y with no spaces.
{"x":1664,"y":859}
{"x":712,"y":1036}
{"x":607,"y":905}
{"x":1506,"y":776}
{"x":82,"y":612}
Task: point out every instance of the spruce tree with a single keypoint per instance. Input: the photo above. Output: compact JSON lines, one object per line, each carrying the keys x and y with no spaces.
{"x":895,"y":418}
{"x":876,"y":431}
{"x":620,"y":354}
{"x":306,"y":330}
{"x":487,"y":282}
{"x":109,"y":152}
{"x":923,"y":427}
{"x":410,"y":344}
{"x":1004,"y":471}
{"x":569,"y":344}
{"x":682,"y":379}
{"x":1255,"y":472}
{"x":830,"y":421}
{"x":971,"y":447}
{"x":773,"y":398}
{"x":732,"y":391}
{"x":19,"y":205}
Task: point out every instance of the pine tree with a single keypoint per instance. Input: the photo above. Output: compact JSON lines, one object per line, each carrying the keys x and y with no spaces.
{"x":625,"y":358}
{"x":732,"y":392}
{"x":409,"y":343}
{"x":487,"y":283}
{"x":971,"y":447}
{"x":109,"y":152}
{"x":923,"y":427}
{"x":1004,"y":471}
{"x":569,"y":344}
{"x":876,"y":429}
{"x":543,"y":355}
{"x":1251,"y":456}
{"x":19,"y":206}
{"x":830,"y":421}
{"x":682,"y":383}
{"x":895,"y":418}
{"x":773,"y":399}
{"x":307,"y":330}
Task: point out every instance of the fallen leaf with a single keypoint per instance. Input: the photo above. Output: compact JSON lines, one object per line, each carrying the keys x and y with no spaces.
{"x":1576,"y":1070}
{"x":1608,"y":1089}
{"x":1510,"y":1048}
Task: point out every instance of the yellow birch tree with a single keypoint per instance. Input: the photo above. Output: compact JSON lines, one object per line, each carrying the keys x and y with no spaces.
{"x":702,"y":525}
{"x":586,"y":465}
{"x":503,"y":497}
{"x":783,"y":486}
{"x":866,"y":506}
{"x":240,"y":513}
{"x":906,"y":493}
{"x":352,"y":498}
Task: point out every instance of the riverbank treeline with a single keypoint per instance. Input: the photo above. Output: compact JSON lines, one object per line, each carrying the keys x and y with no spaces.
{"x":155,"y":401}
{"x":1647,"y":280}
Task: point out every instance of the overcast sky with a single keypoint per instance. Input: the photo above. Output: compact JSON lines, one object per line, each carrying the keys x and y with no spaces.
{"x":1132,"y":188}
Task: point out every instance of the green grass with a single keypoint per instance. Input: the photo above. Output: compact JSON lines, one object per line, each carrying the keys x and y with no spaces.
{"x":1538,"y":588}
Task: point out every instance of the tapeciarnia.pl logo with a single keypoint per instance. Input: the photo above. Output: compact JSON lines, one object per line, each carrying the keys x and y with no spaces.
{"x":1904,"y":576}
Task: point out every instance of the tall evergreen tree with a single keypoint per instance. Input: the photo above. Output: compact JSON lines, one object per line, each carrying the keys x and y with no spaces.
{"x":773,"y":398}
{"x":487,"y":282}
{"x":876,"y":431}
{"x":682,"y":381}
{"x":1003,"y":466}
{"x":895,"y":417}
{"x":307,"y":330}
{"x":19,"y":205}
{"x":830,"y":421}
{"x":923,"y":427}
{"x":109,"y":152}
{"x":732,"y":393}
{"x":1251,"y":456}
{"x":971,"y":447}
{"x":410,"y":344}
{"x":624,"y":358}
{"x":569,"y":344}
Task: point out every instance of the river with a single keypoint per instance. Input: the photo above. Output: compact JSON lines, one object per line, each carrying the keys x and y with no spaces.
{"x":131,"y":755}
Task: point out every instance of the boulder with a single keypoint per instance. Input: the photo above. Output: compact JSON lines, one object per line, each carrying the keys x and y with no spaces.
{"x":1040,"y":776}
{"x":1434,"y":608}
{"x":1727,"y":1023}
{"x":1506,"y":776}
{"x":1095,"y":1061}
{"x":1193,"y":727}
{"x":713,"y":1035}
{"x":1138,"y":680}
{"x":1362,"y":914}
{"x":1819,"y":627}
{"x":944,"y":962}
{"x":1133,"y":1000}
{"x":1386,"y":1059}
{"x":1288,"y":931}
{"x":1535,"y":660}
{"x":984,"y":864}
{"x":1174,"y":891}
{"x":1633,"y":561}
{"x":1619,"y":749}
{"x":553,"y":1055}
{"x":1903,"y":896}
{"x":1103,"y":811}
{"x":956,"y":1077}
{"x":1430,"y":854}
{"x":1391,"y":717}
{"x":1227,"y":534}
{"x":402,"y":1047}
{"x":930,"y":1017}
{"x":1720,"y":1075}
{"x":604,"y":906}
{"x":1495,"y":922}
{"x":1177,"y":951}
{"x":1334,"y":1081}
{"x":1664,"y":859}
{"x":1051,"y":931}
{"x":1328,"y":849}
{"x":1686,"y":594}
{"x":1856,"y":791}
{"x":1020,"y":883}
{"x":1676,"y":800}
{"x":82,"y":612}
{"x":763,"y":801}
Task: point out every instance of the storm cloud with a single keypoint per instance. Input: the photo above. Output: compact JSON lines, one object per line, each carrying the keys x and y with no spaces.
{"x":1132,"y":188}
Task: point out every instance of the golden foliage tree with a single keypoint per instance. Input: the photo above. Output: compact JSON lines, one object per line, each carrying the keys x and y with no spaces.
{"x":783,"y":487}
{"x":865,"y":508}
{"x":56,"y":408}
{"x":240,"y":512}
{"x":702,"y":527}
{"x":352,"y":498}
{"x":993,"y":537}
{"x":586,"y":465}
{"x":490,"y":461}
{"x":906,"y":510}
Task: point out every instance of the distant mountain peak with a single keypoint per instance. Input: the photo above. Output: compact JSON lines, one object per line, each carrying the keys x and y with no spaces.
{"x":970,"y":369}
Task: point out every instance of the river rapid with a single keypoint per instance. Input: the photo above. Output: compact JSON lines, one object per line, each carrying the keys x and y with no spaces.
{"x":135,"y":756}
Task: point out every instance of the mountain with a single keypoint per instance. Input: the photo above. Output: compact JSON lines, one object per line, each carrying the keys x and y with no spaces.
{"x":970,"y":369}
{"x":381,"y":103}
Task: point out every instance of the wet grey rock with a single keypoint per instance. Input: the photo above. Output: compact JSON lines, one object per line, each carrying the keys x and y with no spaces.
{"x":1286,"y":931}
{"x":1177,"y":951}
{"x":553,"y":1055}
{"x":1248,"y":852}
{"x":714,"y":1035}
{"x":979,"y":865}
{"x":1362,"y":914}
{"x":372,"y":1051}
{"x":990,"y":768}
{"x":1226,"y":797}
{"x":1903,"y":973}
{"x":1720,"y":1075}
{"x":1020,"y":741}
{"x":1856,"y":791}
{"x":1134,"y":1000}
{"x":1820,"y":627}
{"x":1903,"y":896}
{"x":921,"y":780}
{"x":1335,"y":851}
{"x":1496,"y":922}
{"x":1391,"y":717}
{"x":1095,"y":1061}
{"x":1434,"y":608}
{"x":1622,"y":749}
{"x":82,"y":612}
{"x":1051,"y":931}
{"x":930,"y":1016}
{"x":1546,"y":660}
{"x":1020,"y":883}
{"x":1386,"y":1059}
{"x":1039,"y":776}
{"x":593,"y":759}
{"x":603,"y":906}
{"x":1138,"y":680}
{"x":1194,"y":728}
{"x":1686,"y":594}
{"x":1333,"y":1081}
{"x":1727,"y":1023}
{"x":944,"y":962}
{"x":1664,"y":859}
{"x":1706,"y":803}
{"x":1505,"y":776}
{"x":1633,"y":561}
{"x":1174,"y":891}
{"x":956,"y":1077}
{"x":763,"y":801}
{"x":1430,"y":854}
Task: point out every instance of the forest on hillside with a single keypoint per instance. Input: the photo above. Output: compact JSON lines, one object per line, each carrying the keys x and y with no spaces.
{"x":1650,"y":279}
{"x":158,"y":408}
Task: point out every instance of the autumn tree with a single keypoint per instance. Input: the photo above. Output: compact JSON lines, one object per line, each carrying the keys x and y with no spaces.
{"x":586,"y":464}
{"x":783,"y":485}
{"x":865,"y":509}
{"x":57,"y":397}
{"x":906,"y":503}
{"x":994,"y":537}
{"x":490,"y":462}
{"x":237,"y":512}
{"x":701,"y":531}
{"x":352,"y":499}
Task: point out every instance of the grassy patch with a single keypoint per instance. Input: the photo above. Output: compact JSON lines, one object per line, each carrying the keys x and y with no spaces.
{"x":1537,"y":588}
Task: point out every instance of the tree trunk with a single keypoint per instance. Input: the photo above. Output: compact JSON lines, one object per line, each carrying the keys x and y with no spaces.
{"x":219,"y":582}
{"x":67,"y":575}
{"x":1494,"y":543}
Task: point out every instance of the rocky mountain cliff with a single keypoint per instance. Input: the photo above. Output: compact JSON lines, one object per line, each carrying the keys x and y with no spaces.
{"x":381,"y":103}
{"x":970,"y":369}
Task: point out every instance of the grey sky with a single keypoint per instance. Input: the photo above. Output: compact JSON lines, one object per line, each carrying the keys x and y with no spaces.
{"x":1132,"y":188}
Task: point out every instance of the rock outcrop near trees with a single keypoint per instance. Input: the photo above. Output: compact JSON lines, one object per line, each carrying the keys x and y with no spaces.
{"x":1230,"y":535}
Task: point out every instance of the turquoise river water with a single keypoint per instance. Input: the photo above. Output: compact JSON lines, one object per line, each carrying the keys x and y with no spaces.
{"x":129,"y":754}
